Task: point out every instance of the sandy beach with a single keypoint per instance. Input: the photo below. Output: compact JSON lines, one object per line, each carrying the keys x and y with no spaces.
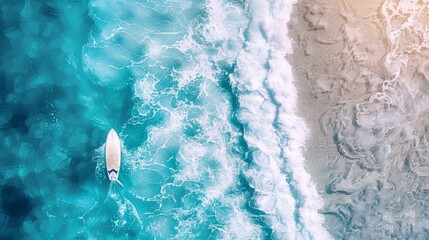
{"x":307,"y":62}
{"x":360,"y":71}
{"x":310,"y":60}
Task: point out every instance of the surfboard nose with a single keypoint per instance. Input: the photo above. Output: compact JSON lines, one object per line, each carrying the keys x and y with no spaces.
{"x":112,"y":132}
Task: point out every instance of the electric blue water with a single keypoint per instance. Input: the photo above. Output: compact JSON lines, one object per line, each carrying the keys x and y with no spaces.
{"x":201,"y":97}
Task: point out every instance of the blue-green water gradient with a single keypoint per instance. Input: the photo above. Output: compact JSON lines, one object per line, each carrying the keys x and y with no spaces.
{"x":190,"y":87}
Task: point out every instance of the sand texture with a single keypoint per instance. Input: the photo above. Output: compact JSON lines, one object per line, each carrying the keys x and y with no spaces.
{"x":361,"y":69}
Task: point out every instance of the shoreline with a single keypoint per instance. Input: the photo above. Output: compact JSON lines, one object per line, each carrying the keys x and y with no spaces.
{"x":312,"y":100}
{"x":329,"y":55}
{"x":361,"y":74}
{"x":309,"y":60}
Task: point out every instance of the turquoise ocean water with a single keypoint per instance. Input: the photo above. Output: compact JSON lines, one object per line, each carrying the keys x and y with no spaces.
{"x":201,"y":96}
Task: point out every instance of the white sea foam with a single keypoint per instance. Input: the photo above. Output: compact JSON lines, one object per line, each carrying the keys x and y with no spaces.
{"x":176,"y":81}
{"x":206,"y":159}
{"x":274,"y":133}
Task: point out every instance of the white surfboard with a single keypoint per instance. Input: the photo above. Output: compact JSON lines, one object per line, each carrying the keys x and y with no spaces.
{"x":113,"y":155}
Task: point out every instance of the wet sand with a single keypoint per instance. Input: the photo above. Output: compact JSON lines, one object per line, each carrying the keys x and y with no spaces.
{"x":360,"y":71}
{"x":309,"y":59}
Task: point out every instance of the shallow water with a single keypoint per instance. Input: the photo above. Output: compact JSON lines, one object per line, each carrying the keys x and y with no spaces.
{"x":201,"y":97}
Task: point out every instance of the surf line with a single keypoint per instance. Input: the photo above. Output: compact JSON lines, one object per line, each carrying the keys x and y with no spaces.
{"x":113,"y":156}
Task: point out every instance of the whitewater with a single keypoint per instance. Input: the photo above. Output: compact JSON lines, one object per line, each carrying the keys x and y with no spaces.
{"x":201,"y":96}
